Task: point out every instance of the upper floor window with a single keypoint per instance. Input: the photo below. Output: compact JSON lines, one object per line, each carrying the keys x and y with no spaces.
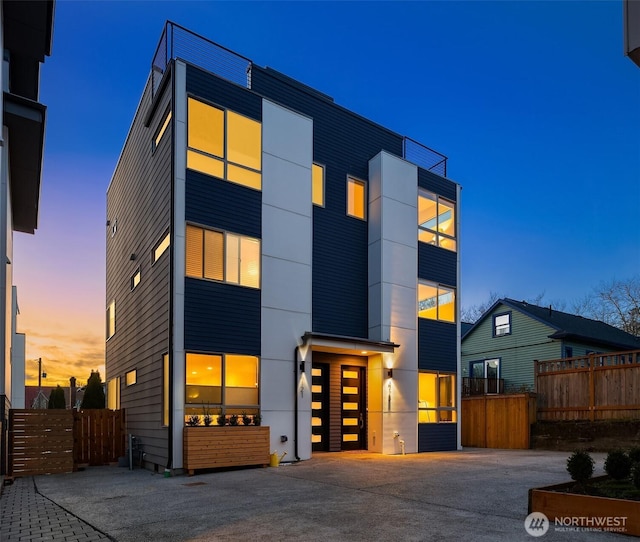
{"x":356,"y":198}
{"x":162,"y":130}
{"x":224,"y":144}
{"x":161,"y":247}
{"x":131,"y":378}
{"x":502,"y":324}
{"x":436,"y":302}
{"x":436,"y":220}
{"x":317,"y":184}
{"x":135,"y":278}
{"x":436,"y":397}
{"x":111,"y":319}
{"x":222,"y":256}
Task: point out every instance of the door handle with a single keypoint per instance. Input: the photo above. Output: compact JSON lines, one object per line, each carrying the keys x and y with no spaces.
{"x":361,"y":421}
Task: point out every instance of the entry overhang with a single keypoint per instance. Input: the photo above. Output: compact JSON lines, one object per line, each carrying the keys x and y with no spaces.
{"x":339,"y":344}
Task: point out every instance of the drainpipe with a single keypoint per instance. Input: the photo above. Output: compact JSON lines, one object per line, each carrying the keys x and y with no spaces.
{"x":296,"y":350}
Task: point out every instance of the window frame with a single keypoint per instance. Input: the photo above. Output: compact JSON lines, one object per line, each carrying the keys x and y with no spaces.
{"x":136,"y":274}
{"x":113,"y":384}
{"x":162,"y":130}
{"x":436,"y":232}
{"x":133,"y":372}
{"x":356,"y":180}
{"x":224,"y":158}
{"x":111,"y":319}
{"x":438,"y":286}
{"x":225,"y":234}
{"x":494,"y":327}
{"x":155,"y":256}
{"x":323,"y":169}
{"x":437,"y":409}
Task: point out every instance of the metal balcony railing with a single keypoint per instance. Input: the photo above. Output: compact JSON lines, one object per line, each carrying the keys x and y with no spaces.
{"x":423,"y":156}
{"x":178,"y":42}
{"x":481,"y":386}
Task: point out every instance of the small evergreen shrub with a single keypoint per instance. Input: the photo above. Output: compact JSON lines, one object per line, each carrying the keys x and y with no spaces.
{"x":233,"y":419}
{"x":634,"y":454}
{"x":246,"y":419}
{"x":222,"y":419}
{"x":617,"y":465}
{"x":580,"y":466}
{"x":193,"y":420}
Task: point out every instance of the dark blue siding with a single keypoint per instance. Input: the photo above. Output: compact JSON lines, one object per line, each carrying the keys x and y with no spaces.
{"x":437,"y":437}
{"x":223,"y":93}
{"x":344,"y":143}
{"x":437,"y":264}
{"x":220,"y":204}
{"x":437,"y":346}
{"x":221,"y":318}
{"x":434,"y":183}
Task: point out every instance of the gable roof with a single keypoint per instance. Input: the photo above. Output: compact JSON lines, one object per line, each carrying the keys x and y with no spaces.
{"x":569,"y":326}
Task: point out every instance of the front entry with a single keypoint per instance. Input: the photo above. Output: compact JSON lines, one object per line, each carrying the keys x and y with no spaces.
{"x":339,"y":402}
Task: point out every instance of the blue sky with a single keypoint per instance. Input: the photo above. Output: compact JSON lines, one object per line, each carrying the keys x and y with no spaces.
{"x":534,"y":103}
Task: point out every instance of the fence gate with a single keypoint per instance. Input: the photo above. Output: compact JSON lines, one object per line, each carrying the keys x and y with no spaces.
{"x":55,"y":441}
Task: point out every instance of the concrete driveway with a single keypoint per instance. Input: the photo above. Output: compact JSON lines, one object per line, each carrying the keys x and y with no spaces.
{"x":473,"y":495}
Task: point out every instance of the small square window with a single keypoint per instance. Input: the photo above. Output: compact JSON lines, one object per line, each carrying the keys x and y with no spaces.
{"x":131,"y":378}
{"x":135,"y":279}
{"x":502,"y":324}
{"x":356,"y":198}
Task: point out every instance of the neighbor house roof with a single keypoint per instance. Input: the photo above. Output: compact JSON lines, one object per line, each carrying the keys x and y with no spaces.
{"x":569,"y":326}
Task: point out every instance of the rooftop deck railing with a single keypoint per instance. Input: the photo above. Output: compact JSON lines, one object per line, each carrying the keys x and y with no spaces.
{"x":178,"y":42}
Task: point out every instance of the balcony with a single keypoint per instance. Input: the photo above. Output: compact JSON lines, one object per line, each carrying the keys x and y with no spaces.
{"x":481,"y":386}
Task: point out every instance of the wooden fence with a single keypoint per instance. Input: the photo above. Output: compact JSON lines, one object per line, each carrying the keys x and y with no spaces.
{"x":593,"y":387}
{"x":498,"y":421}
{"x":54,"y":441}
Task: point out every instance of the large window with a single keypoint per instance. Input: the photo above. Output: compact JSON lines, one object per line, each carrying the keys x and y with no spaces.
{"x":222,"y":256}
{"x":502,"y":324}
{"x":226,"y":381}
{"x":436,"y":302}
{"x":224,"y":144}
{"x":436,"y":397}
{"x":436,"y":220}
{"x":317,"y":184}
{"x":356,"y":198}
{"x":111,"y":319}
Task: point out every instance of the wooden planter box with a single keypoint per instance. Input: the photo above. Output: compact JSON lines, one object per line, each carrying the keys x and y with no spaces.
{"x":228,"y":446}
{"x":555,"y":504}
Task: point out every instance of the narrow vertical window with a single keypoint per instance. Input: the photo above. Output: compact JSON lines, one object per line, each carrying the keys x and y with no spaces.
{"x":317,"y":184}
{"x":356,"y":198}
{"x":113,"y":393}
{"x":161,"y":247}
{"x":135,"y":279}
{"x":111,"y":319}
{"x":165,"y":389}
{"x":162,"y":130}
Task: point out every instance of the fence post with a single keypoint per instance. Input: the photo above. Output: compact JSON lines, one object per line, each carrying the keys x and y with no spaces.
{"x":592,"y":388}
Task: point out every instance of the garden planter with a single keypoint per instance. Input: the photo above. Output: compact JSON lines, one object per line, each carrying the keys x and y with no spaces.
{"x":228,"y":446}
{"x":581,"y":512}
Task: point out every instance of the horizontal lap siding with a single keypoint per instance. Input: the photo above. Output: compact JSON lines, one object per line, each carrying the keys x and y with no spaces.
{"x":139,"y":198}
{"x":221,"y":318}
{"x":437,"y":346}
{"x":434,"y":183}
{"x":437,"y":437}
{"x":437,"y":264}
{"x":344,"y":143}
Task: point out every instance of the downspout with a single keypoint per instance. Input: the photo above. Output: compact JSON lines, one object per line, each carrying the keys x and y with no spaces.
{"x":171,"y":272}
{"x":296,"y":351}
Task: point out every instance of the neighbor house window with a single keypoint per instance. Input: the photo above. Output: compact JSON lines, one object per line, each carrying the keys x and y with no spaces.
{"x":222,"y":381}
{"x":135,"y":279}
{"x":436,"y":220}
{"x":502,"y":324}
{"x":222,"y":256}
{"x":317,"y":184}
{"x":113,"y":393}
{"x":111,"y":319}
{"x":162,"y":130}
{"x":356,"y":198}
{"x":568,"y":351}
{"x":436,"y":397}
{"x":436,"y":302}
{"x":224,"y":144}
{"x":161,"y":247}
{"x":131,"y":378}
{"x":165,"y":390}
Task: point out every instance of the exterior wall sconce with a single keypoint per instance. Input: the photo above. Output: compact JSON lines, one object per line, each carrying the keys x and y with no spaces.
{"x":389,"y":373}
{"x":302,"y":366}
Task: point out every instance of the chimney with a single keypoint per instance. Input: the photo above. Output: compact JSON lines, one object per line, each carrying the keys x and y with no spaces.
{"x":72,"y":392}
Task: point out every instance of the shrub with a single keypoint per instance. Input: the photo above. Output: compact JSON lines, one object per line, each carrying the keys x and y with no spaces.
{"x":233,"y":419}
{"x":193,"y":420}
{"x":634,"y":454}
{"x":617,"y":465}
{"x":635,"y":475}
{"x":222,"y":419}
{"x":580,"y":466}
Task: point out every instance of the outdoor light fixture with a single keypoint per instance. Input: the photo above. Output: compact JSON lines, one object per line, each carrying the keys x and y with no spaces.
{"x":389,"y":373}
{"x":302,"y":366}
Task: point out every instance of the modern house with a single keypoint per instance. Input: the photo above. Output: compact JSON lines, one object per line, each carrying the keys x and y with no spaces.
{"x":25,"y":35}
{"x":273,"y":253}
{"x":631,"y":24}
{"x":499,"y":351}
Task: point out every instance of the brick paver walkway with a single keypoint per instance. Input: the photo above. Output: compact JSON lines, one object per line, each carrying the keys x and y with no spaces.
{"x":25,"y":515}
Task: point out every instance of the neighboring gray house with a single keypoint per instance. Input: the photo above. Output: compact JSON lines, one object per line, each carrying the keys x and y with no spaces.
{"x":498,"y":352}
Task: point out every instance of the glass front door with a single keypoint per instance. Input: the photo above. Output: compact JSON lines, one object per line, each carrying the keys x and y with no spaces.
{"x":353,"y":408}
